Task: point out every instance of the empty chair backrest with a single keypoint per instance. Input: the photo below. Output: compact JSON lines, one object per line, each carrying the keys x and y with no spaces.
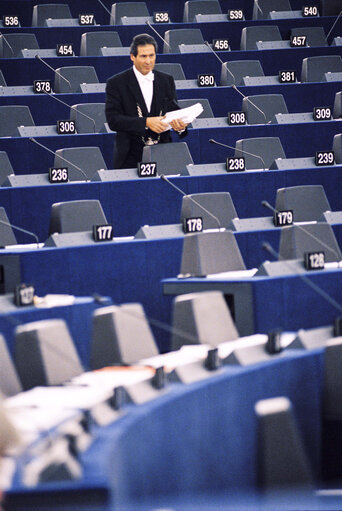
{"x":263,"y":151}
{"x":88,"y":117}
{"x":129,"y":9}
{"x":315,"y":36}
{"x":9,"y":380}
{"x":179,"y":36}
{"x":12,"y":44}
{"x":45,"y":353}
{"x":44,"y":11}
{"x":2,"y":80}
{"x":337,"y":147}
{"x":76,"y":216}
{"x":251,"y":35}
{"x":170,"y":158}
{"x":282,"y":460}
{"x":7,"y":236}
{"x":92,"y":42}
{"x":121,"y":335}
{"x":337,"y":111}
{"x":262,"y":108}
{"x":172,"y":68}
{"x":5,"y":166}
{"x":68,"y":79}
{"x":193,"y":7}
{"x":82,"y":162}
{"x":207,"y":111}
{"x":262,"y":8}
{"x":12,"y":116}
{"x":314,"y":68}
{"x":233,"y":72}
{"x":210,"y":252}
{"x":295,"y":240}
{"x":202,"y":318}
{"x":308,"y":202}
{"x":215,"y":208}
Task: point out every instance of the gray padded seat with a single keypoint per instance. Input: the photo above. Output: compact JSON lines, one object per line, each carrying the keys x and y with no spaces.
{"x":7,"y":236}
{"x":12,"y":116}
{"x":262,"y":8}
{"x":210,"y":252}
{"x":12,"y":44}
{"x":45,"y":353}
{"x":42,"y":12}
{"x":88,"y":117}
{"x":314,"y":68}
{"x":308,"y":202}
{"x":315,"y":36}
{"x":171,"y":158}
{"x":281,"y":455}
{"x":266,"y":148}
{"x":6,"y":168}
{"x":179,"y":36}
{"x":193,"y":7}
{"x":252,"y":34}
{"x":207,"y":111}
{"x":76,"y":216}
{"x":295,"y":240}
{"x":88,"y":159}
{"x":337,"y":147}
{"x":219,"y":204}
{"x":9,"y":381}
{"x":92,"y":42}
{"x":2,"y":80}
{"x":233,"y":72}
{"x":172,"y":68}
{"x":73,"y":77}
{"x":129,"y":9}
{"x":121,"y":336}
{"x":337,"y":111}
{"x":204,"y":318}
{"x":269,"y":104}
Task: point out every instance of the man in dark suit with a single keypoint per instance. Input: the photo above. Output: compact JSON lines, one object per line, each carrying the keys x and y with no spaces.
{"x":136,"y":103}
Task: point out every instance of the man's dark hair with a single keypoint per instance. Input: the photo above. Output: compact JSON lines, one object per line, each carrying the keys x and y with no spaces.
{"x":142,"y":40}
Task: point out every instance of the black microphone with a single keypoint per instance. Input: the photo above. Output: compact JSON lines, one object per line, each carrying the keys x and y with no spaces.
{"x":8,"y":44}
{"x":164,"y":178}
{"x":266,"y":204}
{"x":21,"y":230}
{"x":64,"y":159}
{"x":54,"y":70}
{"x":212,"y":141}
{"x":332,"y":28}
{"x":268,"y":248}
{"x":233,"y":85}
{"x":72,"y":108}
{"x":155,"y":31}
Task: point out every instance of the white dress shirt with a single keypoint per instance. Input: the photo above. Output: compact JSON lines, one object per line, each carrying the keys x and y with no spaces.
{"x":146,"y":86}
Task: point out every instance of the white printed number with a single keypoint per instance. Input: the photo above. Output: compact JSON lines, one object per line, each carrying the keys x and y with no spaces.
{"x":235,"y":14}
{"x":86,"y":19}
{"x":287,"y":76}
{"x":41,"y":86}
{"x":103,"y":232}
{"x":221,"y":44}
{"x":206,"y":80}
{"x":325,"y":158}
{"x":147,"y":169}
{"x":65,"y":127}
{"x":236,"y":118}
{"x":298,"y":40}
{"x":11,"y":21}
{"x":235,"y":164}
{"x":193,"y":224}
{"x":284,"y":218}
{"x":322,"y":114}
{"x":161,"y":17}
{"x":310,"y":10}
{"x":58,"y":175}
{"x":314,"y":260}
{"x":64,"y":50}
{"x":24,"y":294}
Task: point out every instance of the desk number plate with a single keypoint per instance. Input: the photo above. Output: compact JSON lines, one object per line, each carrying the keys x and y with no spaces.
{"x":314,"y":260}
{"x":194,"y":224}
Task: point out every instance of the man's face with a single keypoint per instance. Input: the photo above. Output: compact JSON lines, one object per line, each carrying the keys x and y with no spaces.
{"x":145,"y":59}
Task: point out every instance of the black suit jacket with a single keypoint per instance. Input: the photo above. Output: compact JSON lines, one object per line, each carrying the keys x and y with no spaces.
{"x":123,"y":100}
